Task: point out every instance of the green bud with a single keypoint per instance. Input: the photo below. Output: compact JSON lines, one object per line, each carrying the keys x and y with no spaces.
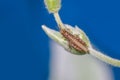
{"x":57,"y":37}
{"x":53,"y":6}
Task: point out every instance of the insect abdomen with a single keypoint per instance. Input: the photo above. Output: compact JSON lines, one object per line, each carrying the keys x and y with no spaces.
{"x":74,"y":41}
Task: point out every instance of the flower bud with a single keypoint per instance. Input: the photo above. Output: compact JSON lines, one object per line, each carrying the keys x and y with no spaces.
{"x":56,"y":36}
{"x":53,"y":6}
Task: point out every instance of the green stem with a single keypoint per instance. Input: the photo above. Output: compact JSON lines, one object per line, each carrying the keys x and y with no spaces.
{"x":58,"y":20}
{"x":105,"y":58}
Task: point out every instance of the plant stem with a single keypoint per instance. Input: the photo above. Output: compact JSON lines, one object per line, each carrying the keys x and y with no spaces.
{"x":105,"y":58}
{"x":58,"y":20}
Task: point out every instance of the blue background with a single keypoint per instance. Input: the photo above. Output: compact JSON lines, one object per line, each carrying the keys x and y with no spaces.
{"x":24,"y":47}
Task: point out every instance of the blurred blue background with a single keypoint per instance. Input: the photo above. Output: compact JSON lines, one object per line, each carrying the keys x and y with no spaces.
{"x":24,"y":47}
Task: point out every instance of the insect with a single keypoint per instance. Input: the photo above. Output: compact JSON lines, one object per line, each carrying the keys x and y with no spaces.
{"x":74,"y":41}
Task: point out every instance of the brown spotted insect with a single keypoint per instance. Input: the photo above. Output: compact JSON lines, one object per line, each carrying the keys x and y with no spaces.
{"x":74,"y":41}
